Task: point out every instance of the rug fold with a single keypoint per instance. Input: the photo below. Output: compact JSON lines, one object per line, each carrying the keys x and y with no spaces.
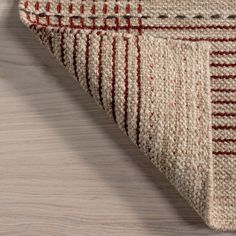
{"x":156,"y":87}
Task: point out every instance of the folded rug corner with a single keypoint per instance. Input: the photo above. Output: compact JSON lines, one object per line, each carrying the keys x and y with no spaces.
{"x":165,"y":71}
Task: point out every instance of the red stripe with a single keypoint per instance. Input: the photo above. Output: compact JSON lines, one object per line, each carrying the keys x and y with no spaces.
{"x":223,"y":77}
{"x":223,"y":53}
{"x":37,"y":9}
{"x":105,"y":7}
{"x":224,"y":140}
{"x":116,"y":8}
{"x":82,"y":12}
{"x":62,"y":48}
{"x":26,"y":4}
{"x":126,"y":83}
{"x":133,"y":27}
{"x":209,"y":39}
{"x":224,"y":90}
{"x":224,"y":153}
{"x":87,"y":64}
{"x":140,"y":10}
{"x":117,"y":19}
{"x":223,"y":64}
{"x":128,"y":10}
{"x":48,"y":7}
{"x":37,"y":6}
{"x":113,"y":78}
{"x":223,"y":127}
{"x":93,"y":10}
{"x":71,"y":9}
{"x":162,"y":27}
{"x":224,"y":102}
{"x":105,"y":11}
{"x":100,"y":70}
{"x":197,"y":27}
{"x":139,"y":91}
{"x":223,"y":114}
{"x":59,"y":8}
{"x":75,"y":57}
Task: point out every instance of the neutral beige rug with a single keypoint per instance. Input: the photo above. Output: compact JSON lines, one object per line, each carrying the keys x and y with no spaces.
{"x":165,"y":71}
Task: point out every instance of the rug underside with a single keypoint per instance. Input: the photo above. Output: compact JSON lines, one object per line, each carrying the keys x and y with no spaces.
{"x":165,"y":72}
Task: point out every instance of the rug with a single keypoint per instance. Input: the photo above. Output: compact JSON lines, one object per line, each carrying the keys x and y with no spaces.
{"x":165,"y":72}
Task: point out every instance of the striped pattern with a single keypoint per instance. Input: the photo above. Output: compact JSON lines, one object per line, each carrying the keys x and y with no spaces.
{"x":99,"y":43}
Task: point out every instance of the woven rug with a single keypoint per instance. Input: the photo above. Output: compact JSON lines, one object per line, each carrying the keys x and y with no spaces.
{"x":165,"y":71}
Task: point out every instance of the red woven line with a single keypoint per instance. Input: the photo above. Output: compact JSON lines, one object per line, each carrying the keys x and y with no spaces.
{"x":37,"y":8}
{"x":105,"y":11}
{"x":116,"y":10}
{"x":223,"y":127}
{"x":126,"y":83}
{"x":93,"y":10}
{"x":224,"y":140}
{"x":87,"y":64}
{"x":209,"y":39}
{"x":224,"y":90}
{"x":223,"y":77}
{"x":100,"y":70}
{"x":128,"y":27}
{"x":105,"y":7}
{"x":82,"y":12}
{"x":223,"y":64}
{"x":197,"y":27}
{"x":139,"y":91}
{"x":224,"y":102}
{"x":82,"y":7}
{"x":62,"y":48}
{"x":75,"y":57}
{"x":26,"y":4}
{"x":223,"y":114}
{"x":140,"y":10}
{"x":223,"y":53}
{"x":59,"y":8}
{"x":48,"y":7}
{"x":224,"y":153}
{"x":128,"y":8}
{"x":71,"y":9}
{"x":113,"y":78}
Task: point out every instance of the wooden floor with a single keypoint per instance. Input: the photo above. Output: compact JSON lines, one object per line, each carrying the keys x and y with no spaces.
{"x":65,"y":168}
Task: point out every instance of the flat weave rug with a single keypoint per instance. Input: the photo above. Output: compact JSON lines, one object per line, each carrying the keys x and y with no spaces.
{"x":165,"y":71}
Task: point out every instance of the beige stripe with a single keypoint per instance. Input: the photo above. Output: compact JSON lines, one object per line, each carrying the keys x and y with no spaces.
{"x":132,"y":98}
{"x":81,"y":58}
{"x":120,"y":83}
{"x":107,"y":78}
{"x":93,"y":65}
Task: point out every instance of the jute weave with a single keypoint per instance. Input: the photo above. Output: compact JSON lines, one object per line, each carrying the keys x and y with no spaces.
{"x":165,"y":71}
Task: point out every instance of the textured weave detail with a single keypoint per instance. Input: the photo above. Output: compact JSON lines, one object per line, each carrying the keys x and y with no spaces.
{"x":148,"y":65}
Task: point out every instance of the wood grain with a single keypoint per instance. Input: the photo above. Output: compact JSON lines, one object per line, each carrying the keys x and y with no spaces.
{"x":65,"y":168}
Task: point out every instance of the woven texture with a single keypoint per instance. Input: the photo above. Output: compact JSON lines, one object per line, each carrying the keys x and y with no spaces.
{"x":165,"y":71}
